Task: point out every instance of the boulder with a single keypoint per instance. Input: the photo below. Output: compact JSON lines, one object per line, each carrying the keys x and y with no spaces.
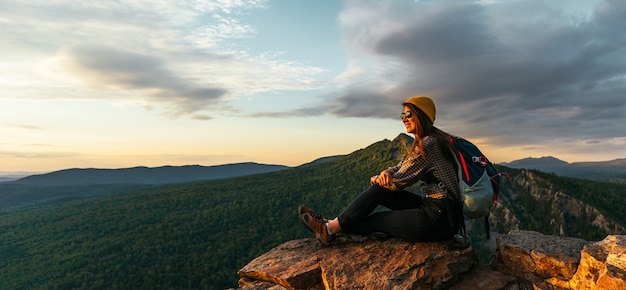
{"x":536,"y":257}
{"x":602,"y":265}
{"x":553,"y":262}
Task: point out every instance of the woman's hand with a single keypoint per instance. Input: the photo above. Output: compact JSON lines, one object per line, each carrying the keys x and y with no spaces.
{"x":384,"y":179}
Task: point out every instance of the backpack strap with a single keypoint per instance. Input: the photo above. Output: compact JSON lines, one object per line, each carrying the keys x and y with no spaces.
{"x":458,"y":200}
{"x":459,"y":165}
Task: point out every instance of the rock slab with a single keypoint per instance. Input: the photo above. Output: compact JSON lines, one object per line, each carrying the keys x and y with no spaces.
{"x":357,"y":262}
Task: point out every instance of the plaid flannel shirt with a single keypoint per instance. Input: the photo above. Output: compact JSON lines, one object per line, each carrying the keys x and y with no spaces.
{"x":416,"y":167}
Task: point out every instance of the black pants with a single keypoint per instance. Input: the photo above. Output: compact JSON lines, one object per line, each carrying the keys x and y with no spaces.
{"x":411,"y":217}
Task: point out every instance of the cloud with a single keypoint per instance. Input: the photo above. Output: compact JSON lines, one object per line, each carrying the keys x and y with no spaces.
{"x":182,"y":56}
{"x":24,"y":126}
{"x":38,"y":154}
{"x":538,"y":68}
{"x":109,"y":67}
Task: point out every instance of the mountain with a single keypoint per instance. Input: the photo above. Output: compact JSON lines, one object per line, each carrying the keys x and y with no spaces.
{"x":322,"y":160}
{"x":9,"y":178}
{"x":197,"y":235}
{"x":72,"y":184}
{"x":602,"y":170}
{"x":537,"y":163}
{"x":146,"y":175}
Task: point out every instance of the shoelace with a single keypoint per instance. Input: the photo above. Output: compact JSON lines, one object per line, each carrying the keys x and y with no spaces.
{"x":314,"y":215}
{"x":319,"y":218}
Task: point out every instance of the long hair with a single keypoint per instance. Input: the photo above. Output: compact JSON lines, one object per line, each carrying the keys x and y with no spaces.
{"x":426,"y":128}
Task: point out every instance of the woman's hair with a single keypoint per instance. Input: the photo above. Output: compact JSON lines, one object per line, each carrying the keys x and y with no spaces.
{"x":426,"y":128}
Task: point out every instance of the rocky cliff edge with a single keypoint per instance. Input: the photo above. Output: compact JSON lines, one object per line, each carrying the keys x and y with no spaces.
{"x":523,"y":260}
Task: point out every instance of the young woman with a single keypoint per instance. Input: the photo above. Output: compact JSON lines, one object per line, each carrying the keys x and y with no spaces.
{"x":411,"y":217}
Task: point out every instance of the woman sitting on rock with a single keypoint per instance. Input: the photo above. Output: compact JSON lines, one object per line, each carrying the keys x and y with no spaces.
{"x":411,"y":217}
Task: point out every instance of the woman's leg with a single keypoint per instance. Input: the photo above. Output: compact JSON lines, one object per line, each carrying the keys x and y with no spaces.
{"x":413,"y":225}
{"x":361,"y":207}
{"x":407,"y":218}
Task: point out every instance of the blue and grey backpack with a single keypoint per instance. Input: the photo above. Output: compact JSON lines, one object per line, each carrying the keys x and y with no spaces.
{"x":479,"y":181}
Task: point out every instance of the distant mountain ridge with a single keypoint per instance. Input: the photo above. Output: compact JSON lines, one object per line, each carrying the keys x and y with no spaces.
{"x":146,"y":175}
{"x":599,"y":170}
{"x":76,"y":183}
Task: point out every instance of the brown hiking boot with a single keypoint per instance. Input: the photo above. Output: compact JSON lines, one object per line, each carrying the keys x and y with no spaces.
{"x":305,"y":209}
{"x":318,"y":227}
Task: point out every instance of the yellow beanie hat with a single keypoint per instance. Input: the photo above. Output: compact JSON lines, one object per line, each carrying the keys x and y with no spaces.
{"x":425,"y":104}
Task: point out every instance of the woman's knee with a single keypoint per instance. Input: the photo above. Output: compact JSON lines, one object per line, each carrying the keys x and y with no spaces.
{"x":375,"y":189}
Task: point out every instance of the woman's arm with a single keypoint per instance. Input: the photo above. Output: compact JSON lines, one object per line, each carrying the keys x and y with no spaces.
{"x":385,"y":177}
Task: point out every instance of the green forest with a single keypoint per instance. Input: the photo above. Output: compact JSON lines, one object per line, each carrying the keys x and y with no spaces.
{"x":197,"y":235}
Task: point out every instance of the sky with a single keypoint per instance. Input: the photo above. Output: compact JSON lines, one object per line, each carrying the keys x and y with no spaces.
{"x":117,"y":84}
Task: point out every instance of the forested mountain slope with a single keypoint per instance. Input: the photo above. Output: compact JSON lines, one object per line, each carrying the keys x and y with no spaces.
{"x":198,"y":235}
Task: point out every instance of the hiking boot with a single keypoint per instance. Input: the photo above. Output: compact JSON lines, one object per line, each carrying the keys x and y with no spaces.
{"x":318,"y":227}
{"x":305,"y":209}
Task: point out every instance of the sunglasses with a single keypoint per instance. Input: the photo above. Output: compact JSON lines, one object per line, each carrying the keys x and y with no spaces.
{"x":406,"y":114}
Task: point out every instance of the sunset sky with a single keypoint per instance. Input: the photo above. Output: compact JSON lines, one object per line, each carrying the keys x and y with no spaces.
{"x":116,"y":84}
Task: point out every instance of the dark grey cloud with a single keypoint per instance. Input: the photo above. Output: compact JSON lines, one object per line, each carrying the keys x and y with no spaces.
{"x":108,"y":67}
{"x":300,"y":112}
{"x":361,"y":102}
{"x":517,"y":72}
{"x":353,"y":102}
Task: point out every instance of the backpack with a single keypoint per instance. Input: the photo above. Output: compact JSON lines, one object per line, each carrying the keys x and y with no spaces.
{"x":479,"y":181}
